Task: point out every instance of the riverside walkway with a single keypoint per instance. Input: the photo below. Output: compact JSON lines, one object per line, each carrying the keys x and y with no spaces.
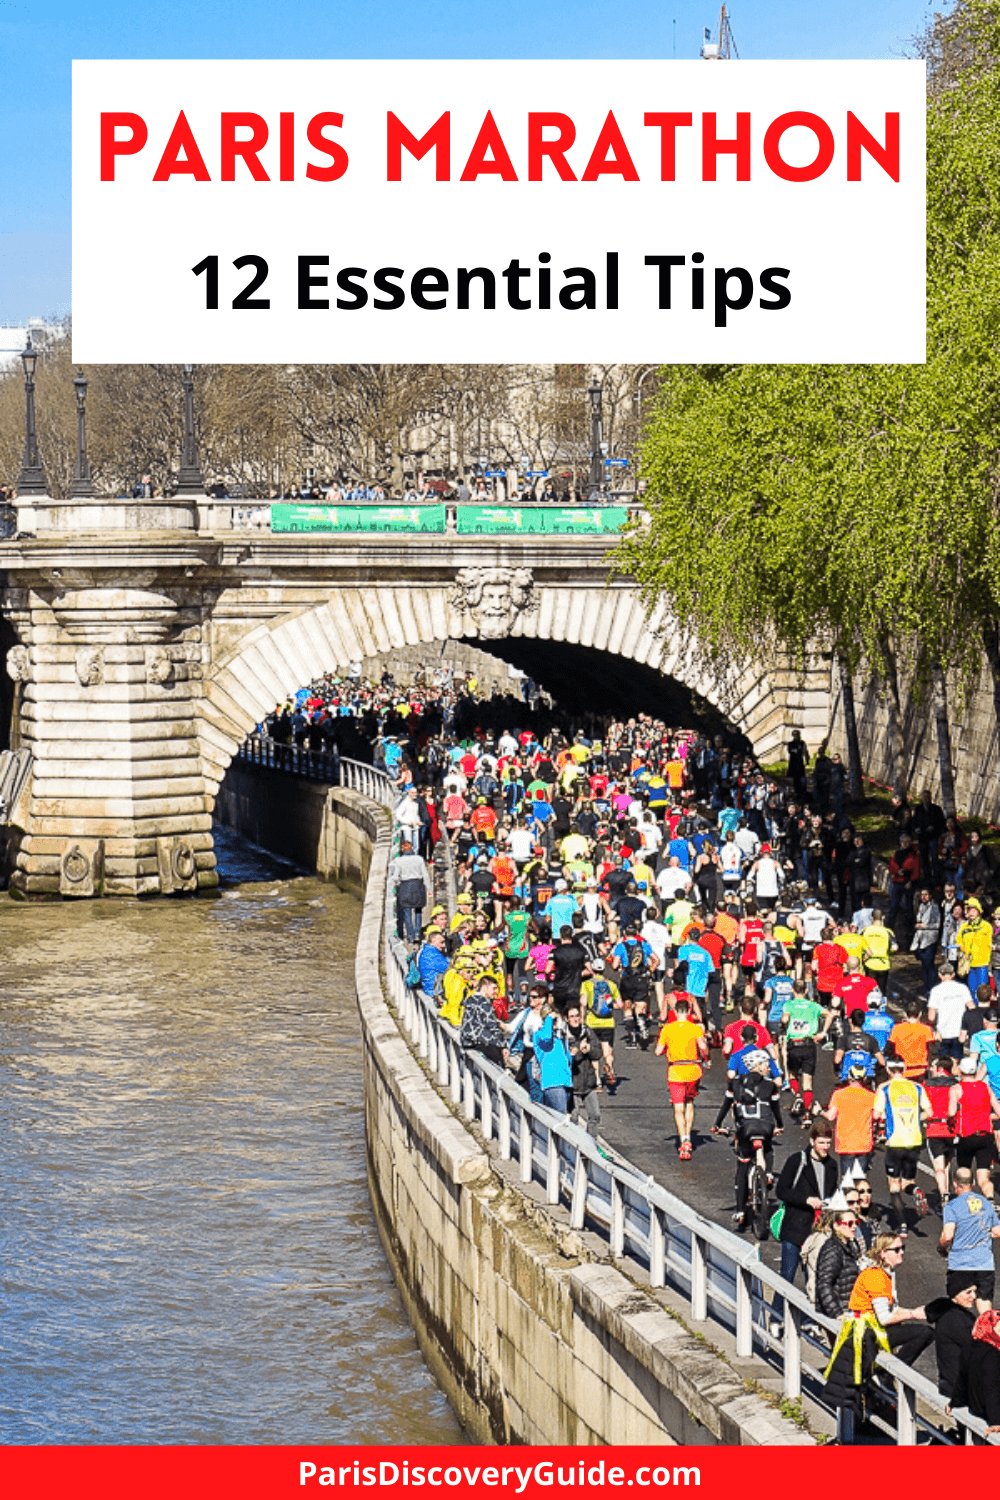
{"x":637,"y":1122}
{"x":671,"y":1219}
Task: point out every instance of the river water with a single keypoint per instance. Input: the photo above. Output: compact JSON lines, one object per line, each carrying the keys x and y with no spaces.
{"x":188,"y":1251}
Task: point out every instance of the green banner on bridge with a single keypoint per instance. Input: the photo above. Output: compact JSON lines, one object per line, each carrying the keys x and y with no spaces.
{"x":540,"y":520}
{"x":357,"y":518}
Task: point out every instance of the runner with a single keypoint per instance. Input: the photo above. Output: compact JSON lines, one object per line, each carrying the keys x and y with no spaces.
{"x":600,"y":998}
{"x":975,"y":1147}
{"x":943,"y":1093}
{"x":850,"y":1111}
{"x":805,"y":1023}
{"x":903,"y":1108}
{"x":683,"y":1043}
{"x":911,"y":1039}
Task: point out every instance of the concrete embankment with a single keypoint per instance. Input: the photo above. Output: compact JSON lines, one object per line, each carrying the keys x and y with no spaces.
{"x":533,"y":1333}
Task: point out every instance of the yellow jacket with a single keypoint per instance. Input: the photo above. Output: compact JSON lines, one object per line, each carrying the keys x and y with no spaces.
{"x":976,"y":941}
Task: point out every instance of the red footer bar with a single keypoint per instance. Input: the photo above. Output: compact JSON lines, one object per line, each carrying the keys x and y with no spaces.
{"x":479,"y":1473}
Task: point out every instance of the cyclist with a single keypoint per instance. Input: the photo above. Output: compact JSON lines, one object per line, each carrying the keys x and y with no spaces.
{"x":757,"y":1113}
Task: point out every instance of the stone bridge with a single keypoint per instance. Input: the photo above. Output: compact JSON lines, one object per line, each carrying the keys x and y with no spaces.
{"x":146,"y":639}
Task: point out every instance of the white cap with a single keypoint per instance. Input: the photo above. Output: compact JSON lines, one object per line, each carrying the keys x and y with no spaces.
{"x":968,"y":1065}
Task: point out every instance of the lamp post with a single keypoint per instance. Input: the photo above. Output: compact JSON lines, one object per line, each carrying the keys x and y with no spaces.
{"x":31,"y":480}
{"x":82,"y":487}
{"x":190,"y":480}
{"x":596,"y":394}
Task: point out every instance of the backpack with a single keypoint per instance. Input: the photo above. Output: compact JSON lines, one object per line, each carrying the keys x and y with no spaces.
{"x":857,"y":1057}
{"x":413,"y":980}
{"x":749,"y":1108}
{"x":602,"y":1006}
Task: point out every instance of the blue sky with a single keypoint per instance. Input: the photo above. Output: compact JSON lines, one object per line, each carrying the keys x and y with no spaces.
{"x":39,"y":39}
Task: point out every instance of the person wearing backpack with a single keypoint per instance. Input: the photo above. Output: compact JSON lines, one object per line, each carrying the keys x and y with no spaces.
{"x":600,"y":998}
{"x":904,"y":1108}
{"x":636,"y":986}
{"x":756,"y":1101}
{"x":807,"y":1179}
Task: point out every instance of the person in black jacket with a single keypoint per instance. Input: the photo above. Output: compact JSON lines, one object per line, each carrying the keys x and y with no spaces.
{"x":807,"y":1179}
{"x":838,"y":1265}
{"x":953,"y":1319}
{"x":859,"y":877}
{"x":978,"y":1385}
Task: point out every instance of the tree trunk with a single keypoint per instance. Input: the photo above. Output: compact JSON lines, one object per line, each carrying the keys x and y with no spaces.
{"x":991,"y":645}
{"x":897,"y":739}
{"x":854,"y":785}
{"x":942,"y":728}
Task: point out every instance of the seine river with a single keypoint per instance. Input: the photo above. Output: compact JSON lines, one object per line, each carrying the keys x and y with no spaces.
{"x":188,"y":1252}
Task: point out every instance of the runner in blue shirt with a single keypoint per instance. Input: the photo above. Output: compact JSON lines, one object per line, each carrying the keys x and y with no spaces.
{"x":878,"y":1023}
{"x":700,"y":965}
{"x":778,"y":991}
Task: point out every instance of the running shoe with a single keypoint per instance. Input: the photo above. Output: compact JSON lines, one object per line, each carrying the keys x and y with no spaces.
{"x":685,"y":1150}
{"x":920,"y":1202}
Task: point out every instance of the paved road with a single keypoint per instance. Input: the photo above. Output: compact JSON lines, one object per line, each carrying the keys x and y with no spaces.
{"x":638,"y":1122}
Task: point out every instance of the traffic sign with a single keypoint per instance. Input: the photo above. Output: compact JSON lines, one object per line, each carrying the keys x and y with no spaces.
{"x":536,"y":473}
{"x":616,"y":463}
{"x":495,"y":473}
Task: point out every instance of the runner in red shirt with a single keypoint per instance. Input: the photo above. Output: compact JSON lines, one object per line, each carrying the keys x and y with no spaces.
{"x":828,"y":960}
{"x":855,"y":987}
{"x":732,"y":1037}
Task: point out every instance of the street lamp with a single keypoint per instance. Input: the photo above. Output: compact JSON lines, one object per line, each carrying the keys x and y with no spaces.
{"x":82,"y":487}
{"x":596,"y":393}
{"x":31,"y":480}
{"x":190,"y":480}
{"x":650,"y":370}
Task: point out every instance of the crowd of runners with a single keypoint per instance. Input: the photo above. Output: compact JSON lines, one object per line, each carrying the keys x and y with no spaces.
{"x":653,"y":889}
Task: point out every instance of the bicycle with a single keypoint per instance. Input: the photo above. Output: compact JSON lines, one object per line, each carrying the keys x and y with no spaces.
{"x":758,"y":1189}
{"x":755,"y":1213}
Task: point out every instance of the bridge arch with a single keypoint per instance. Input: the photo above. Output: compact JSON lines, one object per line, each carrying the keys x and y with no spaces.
{"x":262,"y":658}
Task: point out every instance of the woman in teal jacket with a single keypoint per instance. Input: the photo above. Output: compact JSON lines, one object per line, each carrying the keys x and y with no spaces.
{"x":553,"y":1058}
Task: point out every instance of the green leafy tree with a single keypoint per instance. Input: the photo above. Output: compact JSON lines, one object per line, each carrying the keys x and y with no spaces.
{"x":856,"y":505}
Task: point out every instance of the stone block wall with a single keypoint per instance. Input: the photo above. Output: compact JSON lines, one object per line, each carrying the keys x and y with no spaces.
{"x":975,"y":751}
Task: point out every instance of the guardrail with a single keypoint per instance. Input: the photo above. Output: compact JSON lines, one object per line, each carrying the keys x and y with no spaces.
{"x":321,"y":765}
{"x":721,"y":1277}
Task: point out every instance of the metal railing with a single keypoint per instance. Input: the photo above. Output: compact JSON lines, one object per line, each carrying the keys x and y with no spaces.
{"x":327,"y":766}
{"x":721,"y":1277}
